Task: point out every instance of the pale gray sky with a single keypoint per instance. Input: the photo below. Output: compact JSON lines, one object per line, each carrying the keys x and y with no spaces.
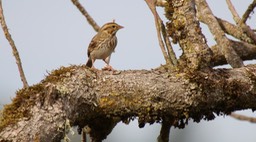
{"x":53,"y":33}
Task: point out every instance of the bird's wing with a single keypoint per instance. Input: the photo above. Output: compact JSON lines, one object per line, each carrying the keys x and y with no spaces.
{"x":91,"y":47}
{"x":93,"y":44}
{"x":96,"y":41}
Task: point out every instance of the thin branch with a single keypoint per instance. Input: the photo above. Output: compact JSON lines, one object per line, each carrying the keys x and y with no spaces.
{"x":206,"y":15}
{"x":245,"y":50}
{"x":248,"y":11}
{"x":230,"y":29}
{"x":14,"y":49}
{"x":165,"y":45}
{"x":233,"y":11}
{"x":86,"y":14}
{"x":239,"y":22}
{"x":233,"y":30}
{"x":243,"y":117}
{"x":152,"y":7}
{"x":168,"y":44}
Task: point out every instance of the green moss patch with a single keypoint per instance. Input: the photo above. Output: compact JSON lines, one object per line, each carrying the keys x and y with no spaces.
{"x":26,"y":98}
{"x":19,"y":108}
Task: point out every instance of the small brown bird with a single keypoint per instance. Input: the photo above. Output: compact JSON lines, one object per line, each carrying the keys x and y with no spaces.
{"x":103,"y":44}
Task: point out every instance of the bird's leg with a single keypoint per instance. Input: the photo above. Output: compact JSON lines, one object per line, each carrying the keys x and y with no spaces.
{"x":93,"y":65}
{"x":107,"y":67}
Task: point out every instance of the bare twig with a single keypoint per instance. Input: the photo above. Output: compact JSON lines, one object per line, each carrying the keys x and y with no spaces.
{"x":168,"y":44}
{"x":239,"y":22}
{"x":233,"y":11}
{"x":243,"y":117}
{"x":86,"y":14}
{"x":152,"y":7}
{"x":14,"y":49}
{"x":165,"y":45}
{"x":233,"y":30}
{"x":248,"y":11}
{"x":225,"y":45}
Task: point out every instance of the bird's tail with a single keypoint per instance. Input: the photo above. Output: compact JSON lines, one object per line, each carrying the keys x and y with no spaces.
{"x":89,"y":63}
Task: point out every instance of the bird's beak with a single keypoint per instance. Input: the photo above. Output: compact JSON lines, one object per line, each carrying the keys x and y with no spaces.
{"x":120,"y":27}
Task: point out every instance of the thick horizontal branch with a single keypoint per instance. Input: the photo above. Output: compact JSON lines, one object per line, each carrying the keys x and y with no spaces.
{"x":246,"y":51}
{"x":86,"y":98}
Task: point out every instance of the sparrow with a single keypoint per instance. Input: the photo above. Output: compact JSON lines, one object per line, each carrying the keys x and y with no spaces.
{"x":103,"y":44}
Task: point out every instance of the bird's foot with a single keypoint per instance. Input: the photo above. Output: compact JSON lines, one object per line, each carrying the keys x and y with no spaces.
{"x":94,"y":69}
{"x":108,"y":68}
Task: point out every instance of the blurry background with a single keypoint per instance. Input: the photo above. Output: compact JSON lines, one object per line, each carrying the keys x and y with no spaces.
{"x":53,"y":33}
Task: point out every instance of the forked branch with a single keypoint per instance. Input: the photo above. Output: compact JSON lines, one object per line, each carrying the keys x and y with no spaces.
{"x":240,"y":23}
{"x":225,"y":45}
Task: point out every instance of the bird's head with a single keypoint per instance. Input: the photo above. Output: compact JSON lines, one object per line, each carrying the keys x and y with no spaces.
{"x":110,"y":28}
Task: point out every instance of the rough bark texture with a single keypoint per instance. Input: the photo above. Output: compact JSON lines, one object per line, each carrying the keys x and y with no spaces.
{"x":98,"y":100}
{"x":101,"y":100}
{"x":245,"y":50}
{"x":184,"y":29}
{"x":224,"y":44}
{"x":232,"y":30}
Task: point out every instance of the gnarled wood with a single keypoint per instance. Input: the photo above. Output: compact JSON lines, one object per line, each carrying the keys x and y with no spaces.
{"x":101,"y":100}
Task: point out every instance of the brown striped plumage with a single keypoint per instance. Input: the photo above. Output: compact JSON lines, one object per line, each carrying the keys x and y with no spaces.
{"x":103,"y":44}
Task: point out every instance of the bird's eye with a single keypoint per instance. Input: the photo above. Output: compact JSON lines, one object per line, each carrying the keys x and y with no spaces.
{"x":113,"y":26}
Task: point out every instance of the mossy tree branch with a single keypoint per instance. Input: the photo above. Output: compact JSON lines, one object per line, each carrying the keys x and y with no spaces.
{"x":91,"y":99}
{"x":78,"y":96}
